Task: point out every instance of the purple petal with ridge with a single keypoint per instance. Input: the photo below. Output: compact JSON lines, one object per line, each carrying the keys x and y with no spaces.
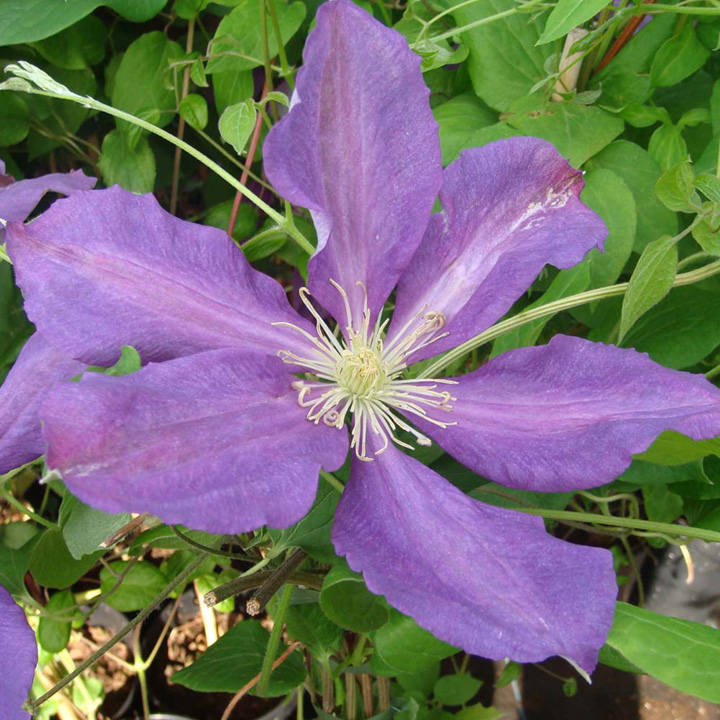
{"x":570,"y":414}
{"x":19,"y":198}
{"x":108,"y":268}
{"x":486,"y":579}
{"x":215,"y":441}
{"x":17,"y":659}
{"x":37,"y":368}
{"x":360,"y":149}
{"x":509,"y":208}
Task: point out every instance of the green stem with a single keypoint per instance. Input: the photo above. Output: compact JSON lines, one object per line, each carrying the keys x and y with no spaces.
{"x":275,"y":636}
{"x":332,"y":481}
{"x":281,"y":48}
{"x":207,"y":548}
{"x":3,"y":254}
{"x":630,"y":523}
{"x":30,"y":74}
{"x":12,"y":500}
{"x":677,"y":9}
{"x":482,"y":21}
{"x":140,"y":617}
{"x":140,"y":671}
{"x":505,"y":326}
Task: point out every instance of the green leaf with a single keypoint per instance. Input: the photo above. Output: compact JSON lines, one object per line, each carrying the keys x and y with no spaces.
{"x":29,"y":20}
{"x":194,"y":110}
{"x":420,"y":684}
{"x":614,"y":659}
{"x":505,"y":62}
{"x":238,"y":41}
{"x":577,"y":131}
{"x":671,"y":448}
{"x":52,"y":565}
{"x":709,"y":186}
{"x":676,"y":187}
{"x":263,"y":246}
{"x":715,"y":107}
{"x":404,"y":646}
{"x":568,"y":14}
{"x":707,"y":232}
{"x":510,"y":672}
{"x":345,"y":599}
{"x":53,"y":634}
{"x":569,"y":687}
{"x":680,"y":653}
{"x":677,"y":58}
{"x":197,"y":73}
{"x":694,"y":117}
{"x":133,"y":169}
{"x":458,"y":122}
{"x":144,"y":81}
{"x":84,"y":528}
{"x":235,"y":659}
{"x":77,"y":47}
{"x":682,"y":330}
{"x":642,"y":473}
{"x":14,"y":563}
{"x":609,"y":196}
{"x":636,"y":167}
{"x":456,"y":689}
{"x":667,"y":146}
{"x":230,"y":87}
{"x":138,"y":11}
{"x":309,"y":624}
{"x":661,"y":504}
{"x":641,"y":116}
{"x":312,"y":533}
{"x":14,"y":119}
{"x":139,"y":587}
{"x":188,"y":9}
{"x":236,"y":124}
{"x":626,"y":78}
{"x":479,"y":712}
{"x":650,"y":282}
{"x":245,"y":221}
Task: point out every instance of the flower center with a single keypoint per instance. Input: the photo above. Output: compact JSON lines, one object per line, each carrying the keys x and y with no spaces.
{"x":361,"y":372}
{"x":358,"y":375}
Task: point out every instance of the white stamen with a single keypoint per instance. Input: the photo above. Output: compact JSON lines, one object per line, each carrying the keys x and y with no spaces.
{"x":358,"y":375}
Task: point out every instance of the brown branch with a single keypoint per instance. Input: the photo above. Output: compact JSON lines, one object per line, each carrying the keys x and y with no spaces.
{"x":622,"y":39}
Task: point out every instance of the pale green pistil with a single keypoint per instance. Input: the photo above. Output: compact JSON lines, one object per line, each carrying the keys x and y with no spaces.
{"x":359,"y":376}
{"x":361,"y":372}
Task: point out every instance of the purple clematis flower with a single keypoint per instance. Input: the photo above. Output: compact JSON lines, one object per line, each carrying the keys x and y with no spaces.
{"x":40,"y":365}
{"x":17,"y":659}
{"x":19,"y":198}
{"x":243,"y":400}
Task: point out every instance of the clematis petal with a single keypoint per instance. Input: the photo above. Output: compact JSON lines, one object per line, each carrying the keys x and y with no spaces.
{"x":360,"y":149}
{"x":509,"y":208}
{"x":17,"y":659}
{"x":215,"y":441}
{"x":37,"y":368}
{"x":486,"y":579}
{"x":107,"y":268}
{"x":19,"y":198}
{"x":570,"y":414}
